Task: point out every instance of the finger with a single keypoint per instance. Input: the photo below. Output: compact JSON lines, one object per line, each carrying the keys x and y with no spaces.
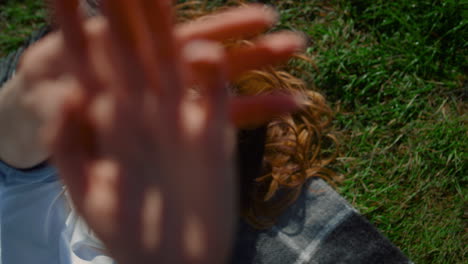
{"x":207,"y":59}
{"x":126,"y":23}
{"x":130,"y":46}
{"x":101,"y":57}
{"x":253,"y":111}
{"x":100,"y":204}
{"x":158,"y":16}
{"x":267,"y":51}
{"x":68,"y":16}
{"x":235,"y":23}
{"x":70,"y":19}
{"x":72,"y":143}
{"x":270,"y":50}
{"x":106,"y":205}
{"x":121,"y":131}
{"x":114,"y":193}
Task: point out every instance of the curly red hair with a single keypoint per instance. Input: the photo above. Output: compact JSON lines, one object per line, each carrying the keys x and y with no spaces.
{"x":293,"y":149}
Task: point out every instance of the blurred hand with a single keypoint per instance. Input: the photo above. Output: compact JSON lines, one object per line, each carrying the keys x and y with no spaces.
{"x":149,"y":166}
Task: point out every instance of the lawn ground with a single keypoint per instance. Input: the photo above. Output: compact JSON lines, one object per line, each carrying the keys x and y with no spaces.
{"x":395,"y":73}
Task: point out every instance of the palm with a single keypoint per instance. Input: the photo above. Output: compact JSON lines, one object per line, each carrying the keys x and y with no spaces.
{"x":144,"y":162}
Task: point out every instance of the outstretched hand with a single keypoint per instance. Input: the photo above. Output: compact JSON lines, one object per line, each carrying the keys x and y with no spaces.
{"x":148,"y":163}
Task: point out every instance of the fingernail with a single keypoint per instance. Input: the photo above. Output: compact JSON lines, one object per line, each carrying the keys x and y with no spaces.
{"x":201,"y":51}
{"x":301,"y":100}
{"x":271,"y":14}
{"x":285,"y":43}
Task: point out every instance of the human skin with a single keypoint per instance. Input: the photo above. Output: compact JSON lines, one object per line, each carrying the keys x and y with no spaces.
{"x":27,"y":101}
{"x":142,"y":162}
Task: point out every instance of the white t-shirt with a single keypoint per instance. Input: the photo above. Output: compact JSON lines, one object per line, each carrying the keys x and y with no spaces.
{"x":37,"y":225}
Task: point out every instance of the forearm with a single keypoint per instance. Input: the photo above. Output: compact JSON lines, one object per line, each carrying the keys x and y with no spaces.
{"x":20,"y":144}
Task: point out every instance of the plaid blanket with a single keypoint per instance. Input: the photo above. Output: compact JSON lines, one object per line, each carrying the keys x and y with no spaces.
{"x":321,"y":227}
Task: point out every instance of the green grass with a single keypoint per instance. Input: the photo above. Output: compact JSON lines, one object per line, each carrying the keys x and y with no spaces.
{"x":395,"y":71}
{"x":17,"y":20}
